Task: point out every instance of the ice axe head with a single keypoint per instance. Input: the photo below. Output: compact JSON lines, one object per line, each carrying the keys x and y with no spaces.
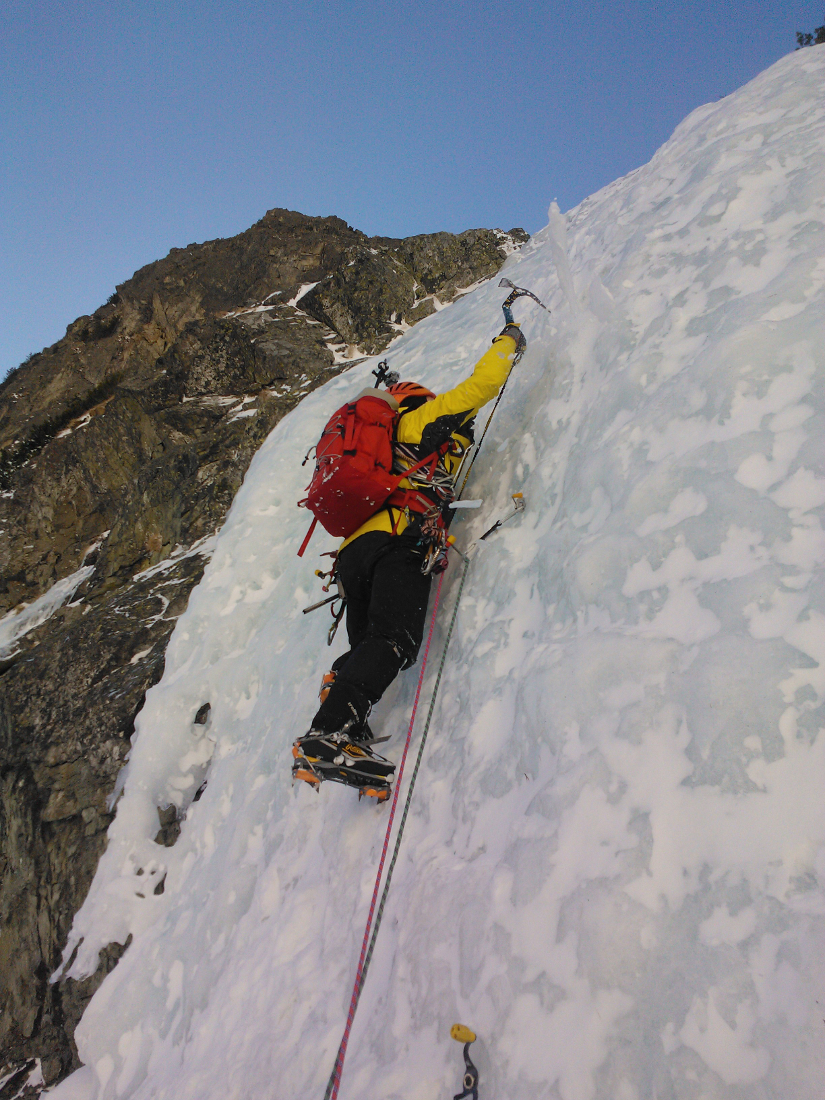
{"x":517,"y":292}
{"x":383,"y":375}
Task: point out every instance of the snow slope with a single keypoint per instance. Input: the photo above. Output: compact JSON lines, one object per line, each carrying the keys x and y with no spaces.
{"x":613,"y":868}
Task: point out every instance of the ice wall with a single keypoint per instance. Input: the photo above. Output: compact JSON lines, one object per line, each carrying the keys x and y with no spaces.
{"x":613,"y":869}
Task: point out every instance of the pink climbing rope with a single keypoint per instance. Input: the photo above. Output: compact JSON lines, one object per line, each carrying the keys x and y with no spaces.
{"x":335,"y":1079}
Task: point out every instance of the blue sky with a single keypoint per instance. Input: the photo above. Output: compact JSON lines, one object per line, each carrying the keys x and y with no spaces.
{"x":132,"y":127}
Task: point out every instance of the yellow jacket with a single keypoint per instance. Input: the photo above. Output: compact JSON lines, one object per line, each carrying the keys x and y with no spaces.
{"x":460,"y":405}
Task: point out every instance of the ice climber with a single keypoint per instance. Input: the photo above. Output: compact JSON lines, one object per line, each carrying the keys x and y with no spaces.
{"x":385,"y":570}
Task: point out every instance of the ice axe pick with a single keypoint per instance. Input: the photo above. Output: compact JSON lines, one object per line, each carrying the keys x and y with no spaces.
{"x":516,"y":292}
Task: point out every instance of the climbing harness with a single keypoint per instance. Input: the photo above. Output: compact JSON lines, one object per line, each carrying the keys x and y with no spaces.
{"x":464,"y":1035}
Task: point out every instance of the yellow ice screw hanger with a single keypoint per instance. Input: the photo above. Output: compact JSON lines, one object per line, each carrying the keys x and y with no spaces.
{"x":464,"y":1035}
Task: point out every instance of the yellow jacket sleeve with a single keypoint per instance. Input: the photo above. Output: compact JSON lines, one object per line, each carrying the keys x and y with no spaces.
{"x":489,"y":375}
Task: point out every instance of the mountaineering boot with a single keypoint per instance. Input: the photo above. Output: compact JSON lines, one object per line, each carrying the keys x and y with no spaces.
{"x":342,"y":750}
{"x":356,"y":727}
{"x":343,"y":757}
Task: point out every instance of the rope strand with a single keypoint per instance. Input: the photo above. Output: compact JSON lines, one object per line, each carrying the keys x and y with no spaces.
{"x":368,"y":943}
{"x":414,"y":776}
{"x":363,"y":960}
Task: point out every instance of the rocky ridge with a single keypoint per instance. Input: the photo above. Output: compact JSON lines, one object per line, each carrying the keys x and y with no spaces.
{"x":121,"y":449}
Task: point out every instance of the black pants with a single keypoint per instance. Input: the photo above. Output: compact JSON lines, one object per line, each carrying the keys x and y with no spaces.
{"x":386,"y":613}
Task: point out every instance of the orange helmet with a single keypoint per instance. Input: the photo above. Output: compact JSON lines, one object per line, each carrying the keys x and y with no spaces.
{"x":403,"y":390}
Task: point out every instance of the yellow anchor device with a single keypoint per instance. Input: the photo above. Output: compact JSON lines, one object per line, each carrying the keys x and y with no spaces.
{"x":462,"y":1034}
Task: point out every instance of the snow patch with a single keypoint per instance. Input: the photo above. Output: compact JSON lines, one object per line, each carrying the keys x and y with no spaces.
{"x":16,"y":624}
{"x":204,"y":547}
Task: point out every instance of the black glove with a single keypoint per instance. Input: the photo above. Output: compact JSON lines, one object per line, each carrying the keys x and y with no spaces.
{"x":515,"y":332}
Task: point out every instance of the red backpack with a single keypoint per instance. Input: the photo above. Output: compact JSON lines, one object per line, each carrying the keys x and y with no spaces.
{"x":353,"y":465}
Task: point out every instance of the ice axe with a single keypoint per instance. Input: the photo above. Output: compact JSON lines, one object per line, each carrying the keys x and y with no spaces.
{"x":384,"y":376}
{"x":516,"y":292}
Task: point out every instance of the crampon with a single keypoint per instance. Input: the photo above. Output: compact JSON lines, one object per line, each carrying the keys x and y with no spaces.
{"x":318,"y":757}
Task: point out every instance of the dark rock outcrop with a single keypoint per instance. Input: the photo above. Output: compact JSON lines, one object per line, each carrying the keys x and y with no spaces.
{"x":369,"y":299}
{"x":121,"y":449}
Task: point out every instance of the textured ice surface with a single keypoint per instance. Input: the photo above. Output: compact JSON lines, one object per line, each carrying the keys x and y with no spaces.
{"x":614,"y":862}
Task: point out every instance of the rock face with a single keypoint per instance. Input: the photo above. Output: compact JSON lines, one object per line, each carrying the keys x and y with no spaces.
{"x":382,"y":290}
{"x":121,"y":449}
